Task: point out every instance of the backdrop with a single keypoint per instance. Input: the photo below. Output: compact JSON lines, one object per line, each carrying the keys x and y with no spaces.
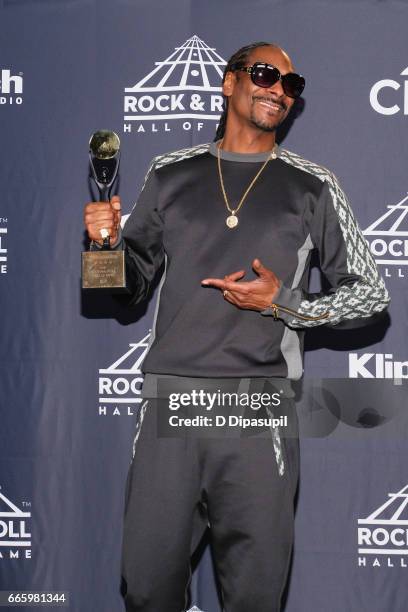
{"x":70,"y":365}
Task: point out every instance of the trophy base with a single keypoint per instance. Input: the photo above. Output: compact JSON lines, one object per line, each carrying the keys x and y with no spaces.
{"x":104,"y":271}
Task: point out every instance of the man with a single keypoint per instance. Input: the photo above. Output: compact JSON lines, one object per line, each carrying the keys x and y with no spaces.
{"x":209,"y":212}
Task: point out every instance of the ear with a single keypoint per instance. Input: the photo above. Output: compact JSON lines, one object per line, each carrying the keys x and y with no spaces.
{"x":229,"y":84}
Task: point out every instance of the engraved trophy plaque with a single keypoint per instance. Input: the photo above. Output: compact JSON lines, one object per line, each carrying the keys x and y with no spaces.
{"x":104,"y":269}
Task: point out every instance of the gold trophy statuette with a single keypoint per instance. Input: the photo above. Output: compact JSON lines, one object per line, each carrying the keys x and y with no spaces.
{"x":104,"y":269}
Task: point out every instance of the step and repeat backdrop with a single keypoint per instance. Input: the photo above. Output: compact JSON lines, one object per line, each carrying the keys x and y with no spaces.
{"x":70,"y":364}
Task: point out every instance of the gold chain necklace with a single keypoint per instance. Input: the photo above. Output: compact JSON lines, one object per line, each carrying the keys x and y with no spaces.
{"x":232,"y":219}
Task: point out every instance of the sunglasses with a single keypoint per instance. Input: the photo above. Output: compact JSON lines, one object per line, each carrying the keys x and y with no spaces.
{"x":266,"y":75}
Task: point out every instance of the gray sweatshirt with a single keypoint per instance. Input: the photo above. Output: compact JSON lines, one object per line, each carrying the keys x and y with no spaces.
{"x":293,"y":208}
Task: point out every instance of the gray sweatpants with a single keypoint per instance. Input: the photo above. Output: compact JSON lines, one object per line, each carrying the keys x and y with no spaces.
{"x":240,"y":482}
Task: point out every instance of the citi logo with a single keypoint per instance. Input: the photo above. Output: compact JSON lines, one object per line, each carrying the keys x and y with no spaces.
{"x":376,"y":365}
{"x":381,"y":100}
{"x":184,"y":86}
{"x":15,"y":539}
{"x":388,"y":239}
{"x":120,"y":384}
{"x":11,"y":87}
{"x":383,"y":535}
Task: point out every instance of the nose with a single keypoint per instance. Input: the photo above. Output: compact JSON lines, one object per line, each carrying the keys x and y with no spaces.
{"x":277,"y":88}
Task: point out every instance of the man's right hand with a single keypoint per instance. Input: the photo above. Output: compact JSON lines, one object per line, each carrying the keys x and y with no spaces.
{"x":103,"y":215}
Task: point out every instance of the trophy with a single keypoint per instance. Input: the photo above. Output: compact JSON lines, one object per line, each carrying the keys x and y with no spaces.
{"x":104,"y":269}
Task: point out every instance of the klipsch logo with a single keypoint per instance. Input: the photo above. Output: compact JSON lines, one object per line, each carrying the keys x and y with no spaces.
{"x":186,"y":87}
{"x":15,"y":536}
{"x":388,"y":239}
{"x":11,"y":87}
{"x":3,"y":246}
{"x":376,"y":365}
{"x":120,"y":384}
{"x":383,"y":535}
{"x":384,"y":101}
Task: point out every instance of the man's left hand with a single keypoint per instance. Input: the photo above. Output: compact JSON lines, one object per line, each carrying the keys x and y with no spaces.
{"x":250,"y":295}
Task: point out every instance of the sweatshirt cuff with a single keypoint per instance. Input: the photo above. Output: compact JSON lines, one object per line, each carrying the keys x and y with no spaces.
{"x":289,"y":298}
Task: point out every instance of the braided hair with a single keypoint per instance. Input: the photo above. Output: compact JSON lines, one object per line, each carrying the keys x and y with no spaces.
{"x":239,"y":57}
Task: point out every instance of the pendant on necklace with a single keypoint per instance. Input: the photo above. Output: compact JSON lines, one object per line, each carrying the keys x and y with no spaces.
{"x":231,"y":221}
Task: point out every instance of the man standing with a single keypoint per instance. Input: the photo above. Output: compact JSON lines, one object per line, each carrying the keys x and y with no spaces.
{"x":209,"y":212}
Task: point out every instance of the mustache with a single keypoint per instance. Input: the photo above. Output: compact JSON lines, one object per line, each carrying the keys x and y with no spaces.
{"x":280,"y":103}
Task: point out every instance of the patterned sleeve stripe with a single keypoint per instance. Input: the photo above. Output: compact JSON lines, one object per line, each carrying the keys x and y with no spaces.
{"x":176,"y":156}
{"x":172,"y":157}
{"x":369,"y":294}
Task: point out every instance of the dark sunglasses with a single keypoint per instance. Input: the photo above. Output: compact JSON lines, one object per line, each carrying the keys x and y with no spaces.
{"x":266,"y":75}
